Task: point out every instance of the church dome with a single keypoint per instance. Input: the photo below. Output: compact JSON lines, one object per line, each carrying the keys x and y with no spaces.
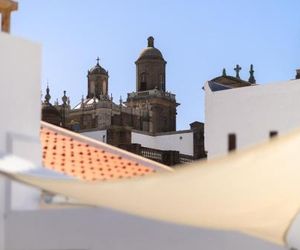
{"x":97,"y":69}
{"x":150,"y":52}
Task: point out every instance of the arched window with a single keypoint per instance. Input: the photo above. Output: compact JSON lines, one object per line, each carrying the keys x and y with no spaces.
{"x":104,"y":87}
{"x":162,"y":82}
{"x":143,"y":85}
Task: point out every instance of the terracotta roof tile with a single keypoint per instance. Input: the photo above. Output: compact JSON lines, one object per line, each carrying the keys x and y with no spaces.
{"x":84,"y":158}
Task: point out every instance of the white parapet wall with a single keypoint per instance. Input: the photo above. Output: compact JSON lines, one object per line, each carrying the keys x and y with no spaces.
{"x":182,"y":141}
{"x":20,"y":67}
{"x":251,"y":113}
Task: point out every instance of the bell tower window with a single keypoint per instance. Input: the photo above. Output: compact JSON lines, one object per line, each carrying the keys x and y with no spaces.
{"x":143,"y":85}
{"x":162,"y":82}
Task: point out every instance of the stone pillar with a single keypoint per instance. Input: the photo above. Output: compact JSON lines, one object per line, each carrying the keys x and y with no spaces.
{"x":198,"y":140}
{"x":170,"y":157}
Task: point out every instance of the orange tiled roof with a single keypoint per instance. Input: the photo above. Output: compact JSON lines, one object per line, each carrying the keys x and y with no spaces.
{"x":84,"y":158}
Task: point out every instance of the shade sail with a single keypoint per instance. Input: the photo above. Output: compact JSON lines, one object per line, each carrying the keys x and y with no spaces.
{"x":254,"y":191}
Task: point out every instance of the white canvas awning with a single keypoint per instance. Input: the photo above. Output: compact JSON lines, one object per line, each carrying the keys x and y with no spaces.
{"x":255,"y":191}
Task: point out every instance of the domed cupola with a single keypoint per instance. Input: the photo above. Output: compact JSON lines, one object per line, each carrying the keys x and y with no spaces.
{"x":97,"y":69}
{"x":97,"y":81}
{"x":150,"y":68}
{"x":49,"y":113}
{"x":150,"y":52}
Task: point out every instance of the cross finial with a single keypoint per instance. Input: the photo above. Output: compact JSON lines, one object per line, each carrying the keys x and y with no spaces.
{"x":251,"y":78}
{"x":47,"y":96}
{"x":98,"y":59}
{"x":64,"y":98}
{"x":150,"y":41}
{"x":224,"y":72}
{"x":6,"y":7}
{"x":120,"y":101}
{"x":237,"y":69}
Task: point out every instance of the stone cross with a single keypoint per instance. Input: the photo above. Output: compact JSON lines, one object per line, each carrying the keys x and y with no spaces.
{"x":6,"y":7}
{"x":98,"y":59}
{"x":237,"y":69}
{"x":224,"y":72}
{"x":251,"y":78}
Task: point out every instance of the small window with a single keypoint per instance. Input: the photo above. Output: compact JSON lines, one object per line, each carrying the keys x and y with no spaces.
{"x":143,"y":86}
{"x":161,"y":79}
{"x":143,"y":77}
{"x":231,"y":142}
{"x":273,"y":133}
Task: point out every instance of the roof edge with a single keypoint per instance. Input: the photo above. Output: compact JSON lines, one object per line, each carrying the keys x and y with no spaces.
{"x":146,"y":162}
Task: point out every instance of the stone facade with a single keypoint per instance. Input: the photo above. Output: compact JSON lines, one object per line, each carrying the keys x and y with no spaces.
{"x":150,"y":108}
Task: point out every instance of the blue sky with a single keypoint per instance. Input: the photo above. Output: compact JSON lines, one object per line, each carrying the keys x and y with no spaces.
{"x":197,"y":38}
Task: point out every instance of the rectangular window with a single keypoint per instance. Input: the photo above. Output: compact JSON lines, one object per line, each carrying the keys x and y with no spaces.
{"x":273,"y":133}
{"x":143,"y":86}
{"x":231,"y":142}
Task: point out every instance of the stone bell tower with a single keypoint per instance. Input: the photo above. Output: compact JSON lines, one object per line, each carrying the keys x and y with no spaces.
{"x":158,"y":107}
{"x":97,"y":81}
{"x":150,"y":69}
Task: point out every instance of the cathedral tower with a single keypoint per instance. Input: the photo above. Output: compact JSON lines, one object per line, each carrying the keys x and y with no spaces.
{"x":97,"y":81}
{"x":150,"y":69}
{"x":157,"y":106}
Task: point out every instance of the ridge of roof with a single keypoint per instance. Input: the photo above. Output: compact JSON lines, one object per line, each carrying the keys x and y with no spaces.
{"x":232,"y":81}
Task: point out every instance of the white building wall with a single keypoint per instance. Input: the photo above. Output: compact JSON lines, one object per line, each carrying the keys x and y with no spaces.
{"x":100,"y":135}
{"x":251,"y":113}
{"x":182,"y":142}
{"x":20,"y":67}
{"x":96,"y":228}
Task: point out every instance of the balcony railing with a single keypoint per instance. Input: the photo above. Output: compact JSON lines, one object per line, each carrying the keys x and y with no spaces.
{"x":152,"y":92}
{"x":167,"y":157}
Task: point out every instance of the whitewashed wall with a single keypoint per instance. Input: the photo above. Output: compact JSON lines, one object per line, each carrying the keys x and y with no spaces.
{"x":20,"y":76}
{"x":20,"y":67}
{"x":94,"y":229}
{"x":251,"y":113}
{"x":182,"y":142}
{"x":100,"y":135}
